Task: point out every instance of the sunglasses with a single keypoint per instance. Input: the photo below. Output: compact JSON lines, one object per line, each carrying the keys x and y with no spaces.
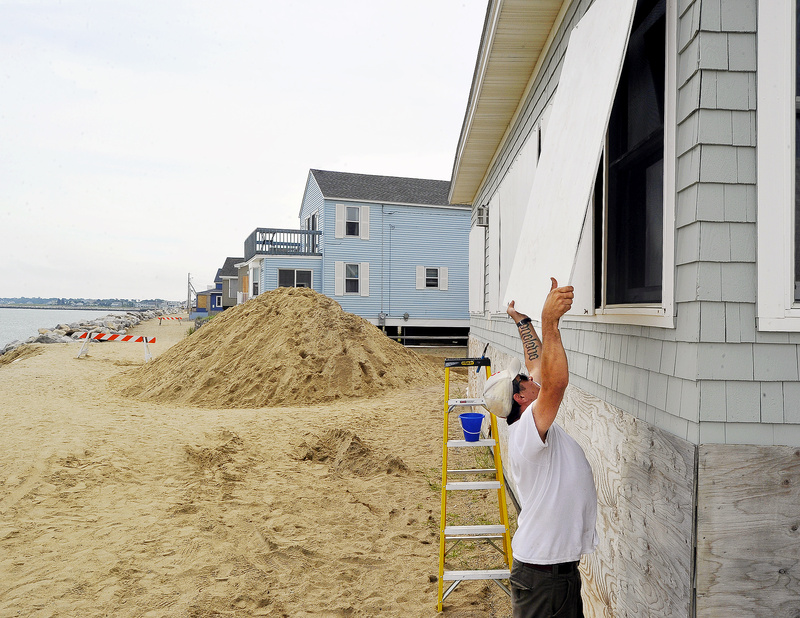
{"x":521,"y":377}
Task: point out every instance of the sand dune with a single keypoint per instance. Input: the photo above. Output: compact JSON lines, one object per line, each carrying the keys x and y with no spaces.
{"x":119,"y":506}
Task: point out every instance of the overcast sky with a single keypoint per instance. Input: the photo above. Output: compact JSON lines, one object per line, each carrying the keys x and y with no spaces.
{"x":143,"y":140}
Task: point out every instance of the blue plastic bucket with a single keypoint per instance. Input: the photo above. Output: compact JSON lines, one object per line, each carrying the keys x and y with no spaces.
{"x":471,"y":425}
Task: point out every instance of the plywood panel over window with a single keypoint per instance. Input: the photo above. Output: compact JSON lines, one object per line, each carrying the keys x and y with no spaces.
{"x":495,"y":301}
{"x":515,"y":191}
{"x":571,"y":152}
{"x":477,"y":249}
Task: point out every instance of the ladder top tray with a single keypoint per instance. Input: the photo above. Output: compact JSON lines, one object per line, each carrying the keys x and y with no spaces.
{"x":467,"y":362}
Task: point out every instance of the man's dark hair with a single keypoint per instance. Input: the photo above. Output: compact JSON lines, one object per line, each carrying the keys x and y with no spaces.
{"x":513,"y":417}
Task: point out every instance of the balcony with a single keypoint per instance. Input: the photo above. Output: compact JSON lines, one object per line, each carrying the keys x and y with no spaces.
{"x":271,"y":241}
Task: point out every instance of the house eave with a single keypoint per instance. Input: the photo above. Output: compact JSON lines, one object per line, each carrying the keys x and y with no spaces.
{"x":456,"y":206}
{"x":515,"y":40}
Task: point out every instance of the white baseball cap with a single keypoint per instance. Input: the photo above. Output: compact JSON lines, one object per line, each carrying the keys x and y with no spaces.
{"x":498,"y":391}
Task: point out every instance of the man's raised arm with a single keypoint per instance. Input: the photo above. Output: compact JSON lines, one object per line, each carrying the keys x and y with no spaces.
{"x":531,"y":344}
{"x":554,"y":367}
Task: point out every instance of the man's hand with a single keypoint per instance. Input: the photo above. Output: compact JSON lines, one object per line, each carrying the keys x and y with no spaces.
{"x":557,"y":303}
{"x":514,"y":314}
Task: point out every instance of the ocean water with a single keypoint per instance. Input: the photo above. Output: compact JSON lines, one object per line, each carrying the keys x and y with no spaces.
{"x":19,"y":324}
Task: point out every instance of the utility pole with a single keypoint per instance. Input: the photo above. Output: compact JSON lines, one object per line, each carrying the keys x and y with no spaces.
{"x":189,"y":291}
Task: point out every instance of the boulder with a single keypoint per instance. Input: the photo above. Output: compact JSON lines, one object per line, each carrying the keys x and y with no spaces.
{"x":49,"y":337}
{"x":10,"y":346}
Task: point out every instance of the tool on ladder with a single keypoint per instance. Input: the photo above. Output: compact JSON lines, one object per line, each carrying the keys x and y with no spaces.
{"x":488,"y":533}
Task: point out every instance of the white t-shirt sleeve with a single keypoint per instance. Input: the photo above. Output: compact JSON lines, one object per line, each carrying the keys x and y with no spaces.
{"x":527,"y":442}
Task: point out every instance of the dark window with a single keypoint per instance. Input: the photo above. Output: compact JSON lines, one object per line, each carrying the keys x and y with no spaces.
{"x":288,"y":278}
{"x":431,"y":277}
{"x":302,"y":278}
{"x":634,"y":176}
{"x":285,"y":278}
{"x":312,"y":225}
{"x":352,"y":218}
{"x":351,"y":278}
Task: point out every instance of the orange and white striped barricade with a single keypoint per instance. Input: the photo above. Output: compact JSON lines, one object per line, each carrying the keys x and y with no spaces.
{"x":164,"y":318}
{"x":88,"y":337}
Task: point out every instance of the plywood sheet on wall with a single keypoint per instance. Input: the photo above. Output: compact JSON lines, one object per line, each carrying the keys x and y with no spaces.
{"x":748,"y":531}
{"x":645,"y":489}
{"x":645,"y":480}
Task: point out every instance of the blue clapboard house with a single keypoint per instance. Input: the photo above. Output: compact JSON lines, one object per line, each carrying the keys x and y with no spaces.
{"x":391,"y":250}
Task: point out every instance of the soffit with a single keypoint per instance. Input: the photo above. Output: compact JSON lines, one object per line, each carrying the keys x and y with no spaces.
{"x":516,"y":34}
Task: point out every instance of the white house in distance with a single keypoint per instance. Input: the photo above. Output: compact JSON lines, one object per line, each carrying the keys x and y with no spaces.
{"x":391,"y":250}
{"x":673,"y":123}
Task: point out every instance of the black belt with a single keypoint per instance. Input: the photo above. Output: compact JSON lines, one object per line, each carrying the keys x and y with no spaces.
{"x":562,"y":568}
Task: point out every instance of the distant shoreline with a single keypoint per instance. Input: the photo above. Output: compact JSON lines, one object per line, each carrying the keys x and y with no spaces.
{"x":74,"y":308}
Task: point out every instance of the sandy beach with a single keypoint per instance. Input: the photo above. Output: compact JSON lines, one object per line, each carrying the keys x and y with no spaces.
{"x":116,"y":505}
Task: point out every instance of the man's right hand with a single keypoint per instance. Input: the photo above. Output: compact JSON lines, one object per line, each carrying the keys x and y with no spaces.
{"x":558,"y":302}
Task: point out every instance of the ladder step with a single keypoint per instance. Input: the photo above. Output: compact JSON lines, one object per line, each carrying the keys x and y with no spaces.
{"x":487,"y":574}
{"x":472,"y":485}
{"x":461,"y":403}
{"x":462,"y":443}
{"x":492,"y":530}
{"x":473,"y":471}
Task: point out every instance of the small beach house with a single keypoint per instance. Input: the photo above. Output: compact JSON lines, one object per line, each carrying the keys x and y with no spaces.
{"x":209,"y":301}
{"x":392,"y":250}
{"x":229,"y":274}
{"x":646,"y":152}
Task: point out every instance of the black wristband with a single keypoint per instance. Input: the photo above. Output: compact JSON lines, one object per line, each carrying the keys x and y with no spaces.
{"x":523,"y":321}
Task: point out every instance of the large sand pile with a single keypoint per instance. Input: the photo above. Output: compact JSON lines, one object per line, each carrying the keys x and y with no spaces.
{"x":290,"y":346}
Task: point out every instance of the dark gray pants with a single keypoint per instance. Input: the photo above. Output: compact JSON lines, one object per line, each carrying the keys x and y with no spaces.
{"x":541,"y":594}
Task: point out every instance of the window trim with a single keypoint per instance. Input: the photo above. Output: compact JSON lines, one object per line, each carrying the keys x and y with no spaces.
{"x":421,"y":276}
{"x":340,"y":221}
{"x":432,"y":273}
{"x":357,"y":279}
{"x":776,"y":309}
{"x":356,"y":222}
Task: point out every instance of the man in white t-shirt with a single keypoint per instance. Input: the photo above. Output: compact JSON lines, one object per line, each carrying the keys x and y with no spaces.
{"x":554,"y":482}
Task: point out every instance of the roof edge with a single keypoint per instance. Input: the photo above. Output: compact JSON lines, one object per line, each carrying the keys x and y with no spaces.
{"x":472,"y":102}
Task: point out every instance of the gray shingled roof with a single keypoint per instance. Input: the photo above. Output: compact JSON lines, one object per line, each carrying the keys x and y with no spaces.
{"x":228,"y":268}
{"x":388,"y":189}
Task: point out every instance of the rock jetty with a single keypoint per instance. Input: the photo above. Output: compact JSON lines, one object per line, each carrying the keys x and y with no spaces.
{"x":66,"y":333}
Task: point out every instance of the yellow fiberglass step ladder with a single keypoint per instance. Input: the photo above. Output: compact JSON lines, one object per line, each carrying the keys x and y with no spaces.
{"x":488,"y":533}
